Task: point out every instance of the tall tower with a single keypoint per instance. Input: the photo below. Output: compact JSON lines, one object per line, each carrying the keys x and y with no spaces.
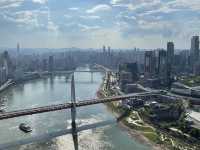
{"x":194,"y":51}
{"x":162,"y":63}
{"x":18,"y":48}
{"x":18,"y":55}
{"x":170,"y":52}
{"x":104,"y":49}
{"x":150,"y":63}
{"x":109,"y":50}
{"x":51,"y":63}
{"x":170,"y":61}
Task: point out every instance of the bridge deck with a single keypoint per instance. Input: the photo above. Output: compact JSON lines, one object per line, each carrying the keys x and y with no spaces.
{"x":57,"y":107}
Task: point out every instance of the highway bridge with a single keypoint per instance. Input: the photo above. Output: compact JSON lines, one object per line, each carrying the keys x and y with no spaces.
{"x":72,"y":105}
{"x":82,"y":103}
{"x":71,"y":71}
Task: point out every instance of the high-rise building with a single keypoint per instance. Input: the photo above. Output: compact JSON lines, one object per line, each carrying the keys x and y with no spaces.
{"x":18,"y":56}
{"x":104,"y":49}
{"x":132,"y":68}
{"x":170,"y":52}
{"x":162,"y":63}
{"x":109,"y":50}
{"x":18,"y":47}
{"x":194,"y":51}
{"x":170,"y":61}
{"x":44,"y":65}
{"x":51,"y":63}
{"x":150,"y":63}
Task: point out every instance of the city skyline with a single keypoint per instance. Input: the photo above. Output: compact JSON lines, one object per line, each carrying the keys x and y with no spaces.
{"x":146,"y":24}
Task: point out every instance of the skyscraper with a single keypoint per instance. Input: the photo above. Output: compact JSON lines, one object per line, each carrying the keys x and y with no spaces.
{"x":18,"y":48}
{"x":162,"y":62}
{"x":170,"y":61}
{"x":18,"y":55}
{"x":194,"y":51}
{"x":170,"y":53}
{"x":150,"y":63}
{"x":109,"y":50}
{"x":51,"y":63}
{"x":104,"y":49}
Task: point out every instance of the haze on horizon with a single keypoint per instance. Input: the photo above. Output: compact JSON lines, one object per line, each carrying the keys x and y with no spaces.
{"x":93,"y":23}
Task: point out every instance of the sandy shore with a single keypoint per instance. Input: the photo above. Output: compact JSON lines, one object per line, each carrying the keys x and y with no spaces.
{"x":136,"y":135}
{"x":140,"y":138}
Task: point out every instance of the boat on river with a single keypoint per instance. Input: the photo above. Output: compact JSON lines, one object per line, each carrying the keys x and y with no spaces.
{"x":25,"y":128}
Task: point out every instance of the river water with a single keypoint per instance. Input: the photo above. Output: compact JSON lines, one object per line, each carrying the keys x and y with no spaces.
{"x":56,"y":90}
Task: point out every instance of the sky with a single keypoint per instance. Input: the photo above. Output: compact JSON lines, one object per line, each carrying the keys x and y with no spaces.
{"x":146,"y":24}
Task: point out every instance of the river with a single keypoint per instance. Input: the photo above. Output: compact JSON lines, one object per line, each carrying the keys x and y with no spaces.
{"x":56,"y":90}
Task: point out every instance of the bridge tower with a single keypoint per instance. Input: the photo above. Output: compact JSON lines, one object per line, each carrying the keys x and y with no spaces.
{"x":73,"y":114}
{"x":92,"y":77}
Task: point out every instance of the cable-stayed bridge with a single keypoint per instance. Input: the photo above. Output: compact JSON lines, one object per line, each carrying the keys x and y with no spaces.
{"x":73,"y":105}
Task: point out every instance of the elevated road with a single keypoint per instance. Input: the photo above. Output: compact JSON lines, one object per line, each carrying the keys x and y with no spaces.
{"x":82,"y":103}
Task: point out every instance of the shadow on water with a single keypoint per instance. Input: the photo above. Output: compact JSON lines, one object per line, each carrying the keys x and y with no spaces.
{"x":47,"y":137}
{"x":52,"y":78}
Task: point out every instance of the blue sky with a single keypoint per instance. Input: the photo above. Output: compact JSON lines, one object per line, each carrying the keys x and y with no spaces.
{"x":93,"y":23}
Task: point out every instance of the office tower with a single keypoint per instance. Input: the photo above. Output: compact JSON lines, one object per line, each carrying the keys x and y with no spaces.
{"x":170,"y":61}
{"x":132,"y":68}
{"x":51,"y":63}
{"x":109,"y":50}
{"x":44,"y":65}
{"x":162,"y":63}
{"x":18,"y":48}
{"x":170,"y":53}
{"x":150,"y":63}
{"x":194,"y":51}
{"x":104,"y":49}
{"x":18,"y":56}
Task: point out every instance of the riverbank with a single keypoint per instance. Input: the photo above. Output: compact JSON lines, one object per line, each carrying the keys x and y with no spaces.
{"x":11,"y":82}
{"x":133,"y":133}
{"x":140,"y":127}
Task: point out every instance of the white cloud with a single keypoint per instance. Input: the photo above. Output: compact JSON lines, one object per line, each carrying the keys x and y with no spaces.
{"x":52,"y":26}
{"x":73,"y":8}
{"x":139,"y":4}
{"x":40,"y":1}
{"x":90,"y":17}
{"x":163,"y":9}
{"x":23,"y":18}
{"x":26,"y":19}
{"x":10,"y":3}
{"x":124,"y":15}
{"x":116,"y":1}
{"x":98,"y":8}
{"x":88,"y":28}
{"x":67,"y":16}
{"x":185,"y":4}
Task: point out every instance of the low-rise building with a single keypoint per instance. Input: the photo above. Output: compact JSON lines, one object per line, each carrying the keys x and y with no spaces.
{"x":133,"y":88}
{"x":160,"y":112}
{"x":124,"y":78}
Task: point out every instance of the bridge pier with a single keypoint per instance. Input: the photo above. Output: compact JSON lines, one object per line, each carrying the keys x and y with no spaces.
{"x":73,"y":114}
